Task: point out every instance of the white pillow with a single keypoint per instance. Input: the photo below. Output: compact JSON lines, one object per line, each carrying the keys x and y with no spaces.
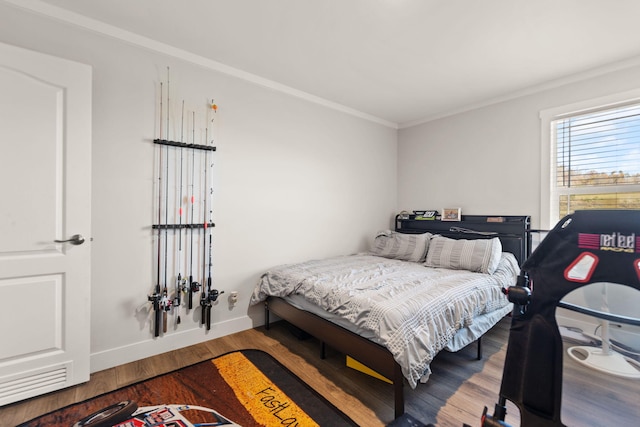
{"x":479,"y":255}
{"x":406,"y":247}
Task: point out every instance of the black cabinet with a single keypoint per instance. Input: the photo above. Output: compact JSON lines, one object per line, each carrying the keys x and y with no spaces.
{"x":514,"y":231}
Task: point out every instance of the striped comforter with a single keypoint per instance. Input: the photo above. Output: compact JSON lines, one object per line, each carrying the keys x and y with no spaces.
{"x":413,"y":310}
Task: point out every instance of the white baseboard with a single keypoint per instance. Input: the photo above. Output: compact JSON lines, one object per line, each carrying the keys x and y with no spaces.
{"x":171,"y":341}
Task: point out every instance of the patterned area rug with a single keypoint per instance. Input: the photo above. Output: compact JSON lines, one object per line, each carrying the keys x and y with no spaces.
{"x":246,"y":388}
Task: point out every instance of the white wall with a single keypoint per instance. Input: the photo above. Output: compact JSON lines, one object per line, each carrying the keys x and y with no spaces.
{"x":293,"y":180}
{"x":487,"y":161}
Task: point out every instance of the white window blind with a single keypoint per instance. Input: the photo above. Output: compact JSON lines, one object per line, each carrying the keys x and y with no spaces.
{"x":597,"y":160}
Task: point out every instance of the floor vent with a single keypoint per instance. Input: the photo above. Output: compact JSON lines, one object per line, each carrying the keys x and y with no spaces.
{"x":33,"y":383}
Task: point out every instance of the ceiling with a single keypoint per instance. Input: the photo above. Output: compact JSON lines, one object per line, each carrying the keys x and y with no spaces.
{"x":399,"y":61}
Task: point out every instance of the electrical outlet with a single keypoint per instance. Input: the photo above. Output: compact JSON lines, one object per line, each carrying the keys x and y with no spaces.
{"x":233,"y":298}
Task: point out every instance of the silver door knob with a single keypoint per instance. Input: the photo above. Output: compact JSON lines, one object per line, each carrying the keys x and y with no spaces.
{"x":76,"y":239}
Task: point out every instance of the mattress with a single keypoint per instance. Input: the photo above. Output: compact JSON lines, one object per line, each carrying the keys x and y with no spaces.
{"x":412,"y":310}
{"x":463,"y":337}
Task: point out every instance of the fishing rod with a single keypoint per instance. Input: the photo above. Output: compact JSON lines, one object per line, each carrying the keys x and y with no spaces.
{"x":166,"y":302}
{"x":193,"y":286}
{"x":156,"y":297}
{"x":210,"y":297}
{"x":168,"y":104}
{"x":212,"y":294}
{"x":180,"y":282}
{"x":205,"y":304}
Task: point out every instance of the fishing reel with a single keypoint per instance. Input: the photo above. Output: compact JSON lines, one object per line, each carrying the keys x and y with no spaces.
{"x":204,"y":301}
{"x":181,"y":288}
{"x":213,"y":295}
{"x":155,"y":299}
{"x":165,"y":302}
{"x":205,"y":307}
{"x":182,"y":285}
{"x":195,"y":287}
{"x":192,"y":288}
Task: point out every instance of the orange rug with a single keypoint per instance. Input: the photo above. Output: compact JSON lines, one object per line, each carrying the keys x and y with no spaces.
{"x":246,"y":388}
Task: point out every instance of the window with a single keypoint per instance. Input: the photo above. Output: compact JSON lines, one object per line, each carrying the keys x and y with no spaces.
{"x":594,"y":159}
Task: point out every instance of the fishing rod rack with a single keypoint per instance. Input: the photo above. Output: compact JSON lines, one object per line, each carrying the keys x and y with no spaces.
{"x":184,"y":145}
{"x":181,"y":226}
{"x":188,"y":146}
{"x":183,"y":195}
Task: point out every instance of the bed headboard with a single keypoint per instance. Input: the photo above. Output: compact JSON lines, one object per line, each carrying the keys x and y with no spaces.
{"x":514,"y":232}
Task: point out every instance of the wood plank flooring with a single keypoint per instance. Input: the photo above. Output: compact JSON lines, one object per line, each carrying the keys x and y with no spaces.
{"x":456,"y":393}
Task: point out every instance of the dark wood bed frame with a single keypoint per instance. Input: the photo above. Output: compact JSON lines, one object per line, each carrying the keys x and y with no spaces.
{"x":515,"y":235}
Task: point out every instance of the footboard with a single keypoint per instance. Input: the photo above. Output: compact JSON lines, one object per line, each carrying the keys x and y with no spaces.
{"x":365,"y":351}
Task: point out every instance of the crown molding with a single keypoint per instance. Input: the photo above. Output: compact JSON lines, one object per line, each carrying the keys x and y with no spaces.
{"x":574,"y":78}
{"x":86,"y":23}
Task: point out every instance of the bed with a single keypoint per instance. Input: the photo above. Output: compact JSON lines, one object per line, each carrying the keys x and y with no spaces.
{"x":425,"y":286}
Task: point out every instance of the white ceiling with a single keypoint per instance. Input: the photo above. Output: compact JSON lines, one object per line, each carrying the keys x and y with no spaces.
{"x":401,"y":61}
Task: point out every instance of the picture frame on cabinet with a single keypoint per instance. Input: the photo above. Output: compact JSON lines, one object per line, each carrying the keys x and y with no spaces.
{"x":451,"y":214}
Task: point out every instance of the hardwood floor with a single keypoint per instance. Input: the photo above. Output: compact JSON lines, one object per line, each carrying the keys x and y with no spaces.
{"x":456,"y":393}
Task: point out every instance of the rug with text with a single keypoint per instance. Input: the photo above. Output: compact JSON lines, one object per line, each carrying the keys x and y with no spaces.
{"x":245,"y":388}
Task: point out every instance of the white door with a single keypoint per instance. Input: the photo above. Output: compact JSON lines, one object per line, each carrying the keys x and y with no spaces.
{"x":45,"y":189}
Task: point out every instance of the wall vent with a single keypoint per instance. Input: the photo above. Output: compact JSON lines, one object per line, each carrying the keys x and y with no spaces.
{"x":32,"y":383}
